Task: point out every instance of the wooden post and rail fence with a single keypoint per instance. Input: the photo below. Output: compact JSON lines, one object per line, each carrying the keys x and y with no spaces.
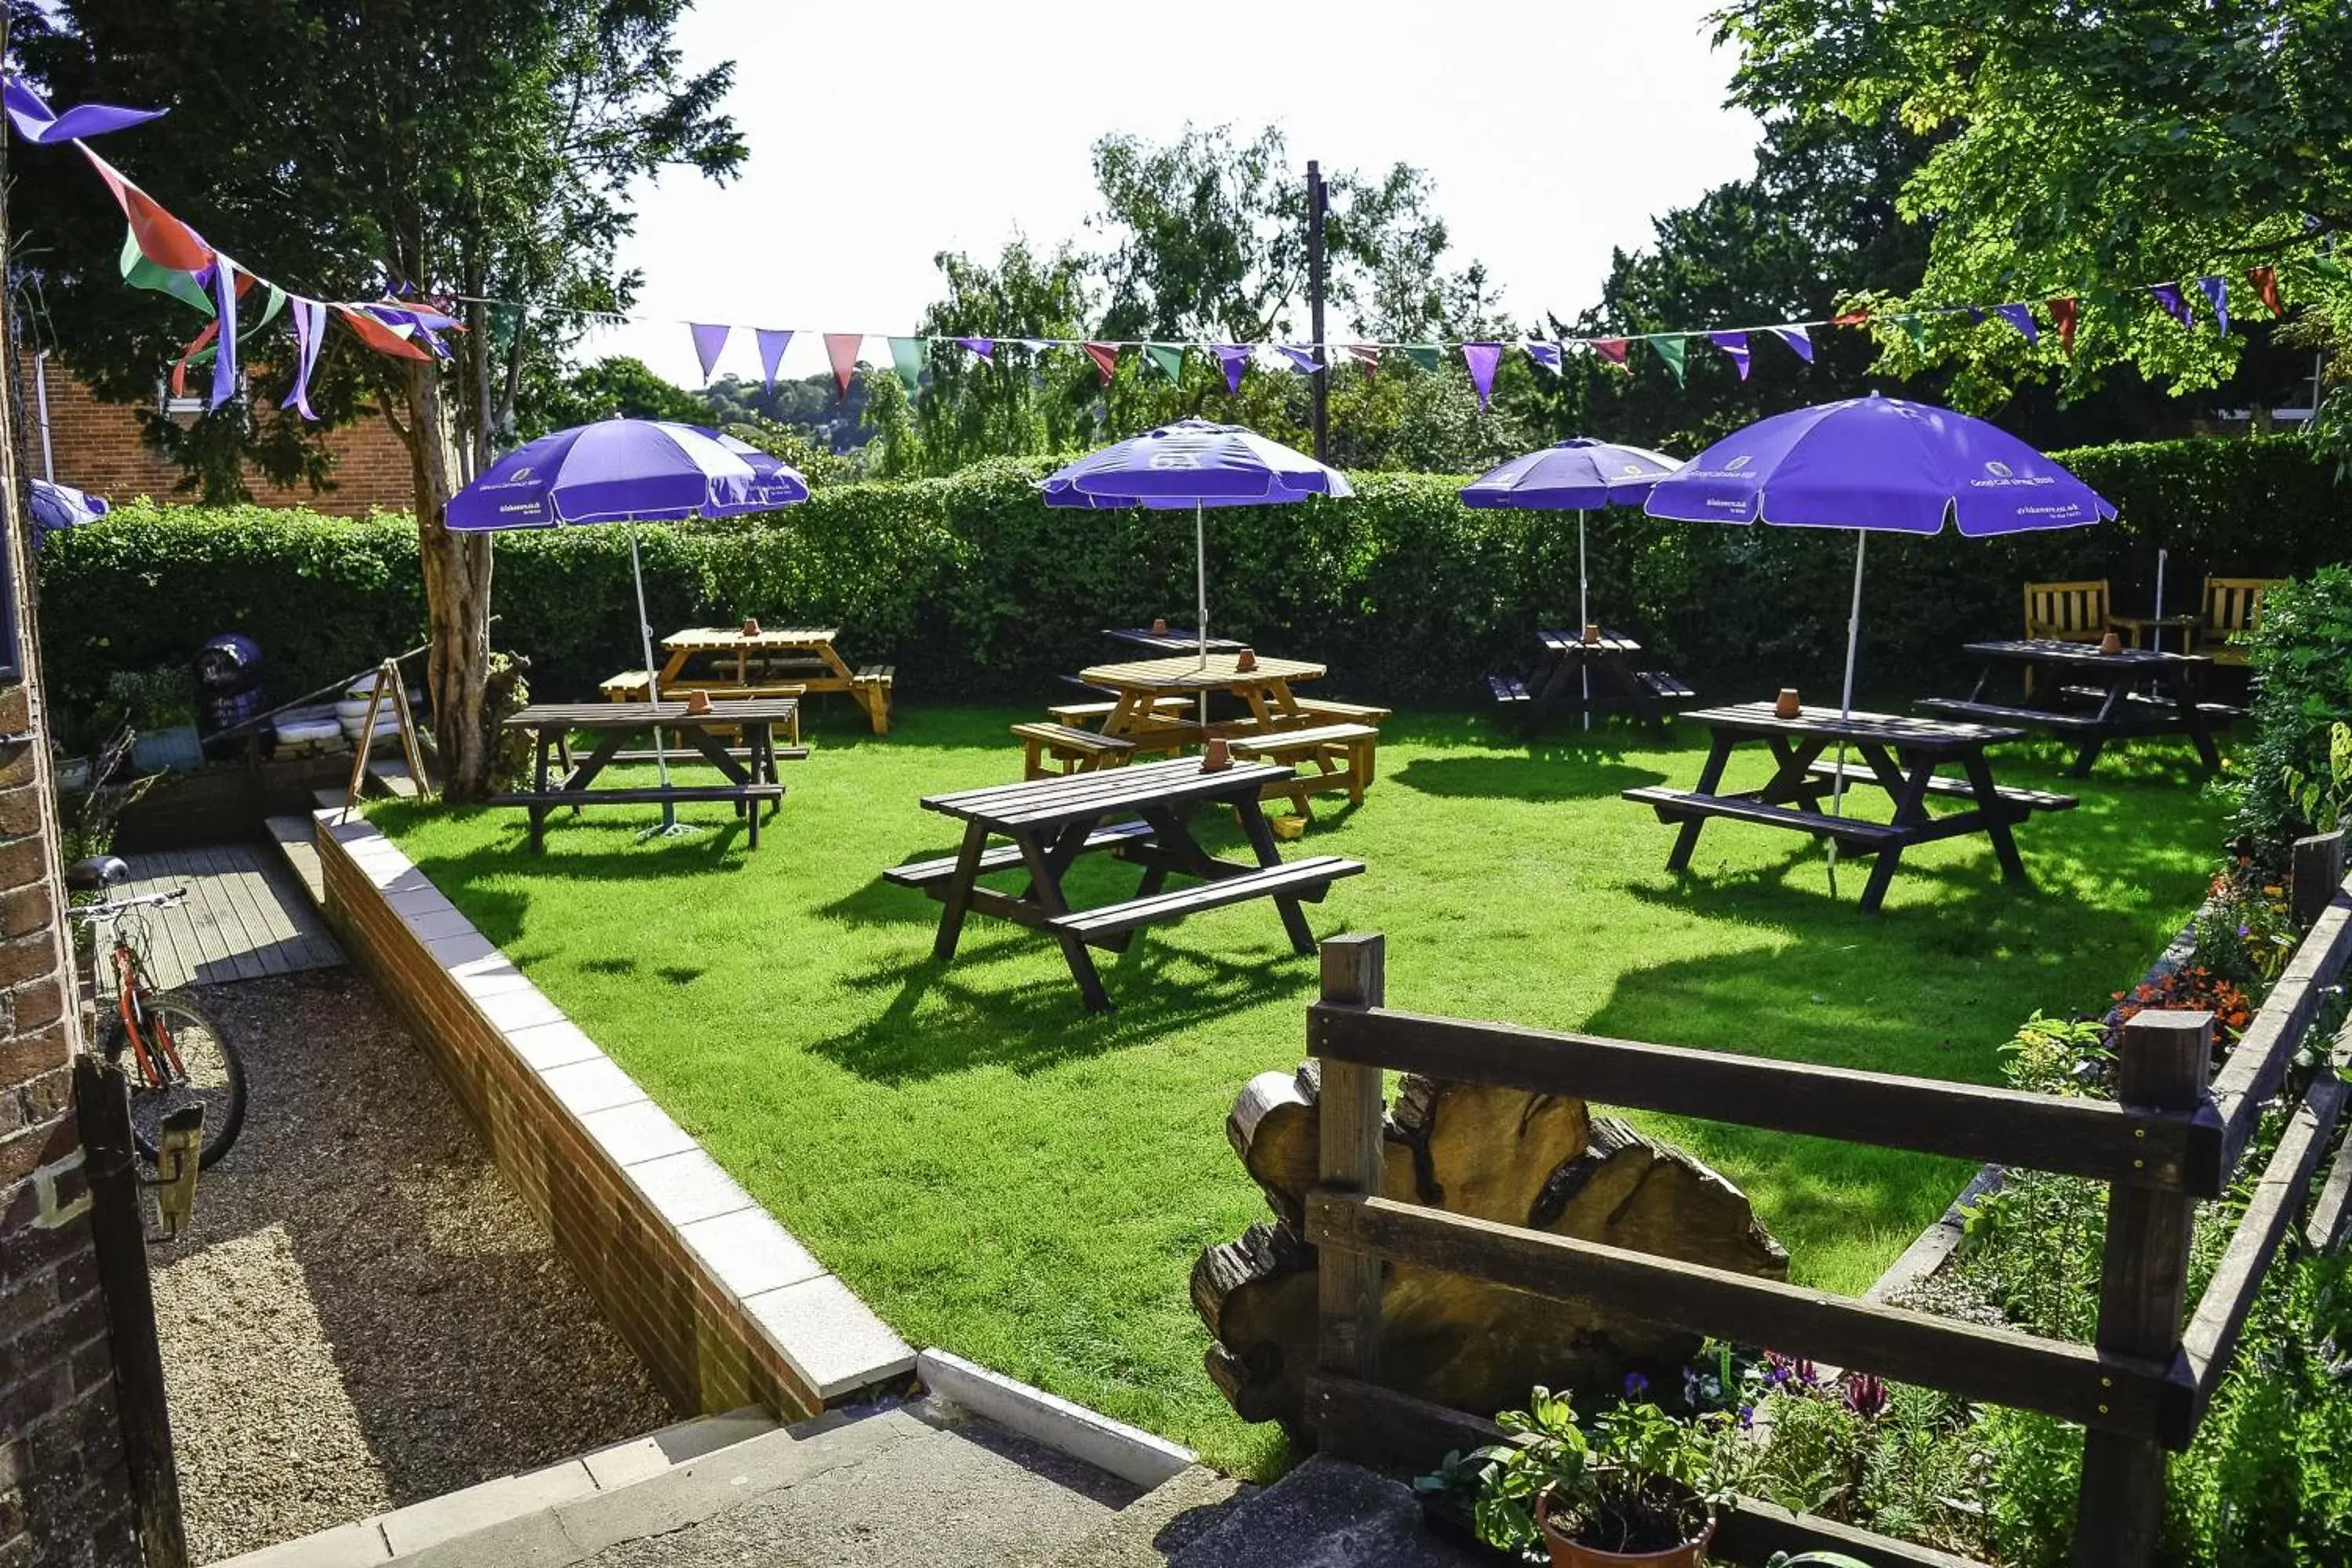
{"x":2170,"y":1139}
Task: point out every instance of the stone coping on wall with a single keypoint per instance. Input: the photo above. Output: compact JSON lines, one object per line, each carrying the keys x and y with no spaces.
{"x":714,"y":1294}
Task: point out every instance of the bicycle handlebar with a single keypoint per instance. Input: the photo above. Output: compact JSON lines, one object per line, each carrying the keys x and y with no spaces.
{"x":107,"y":909}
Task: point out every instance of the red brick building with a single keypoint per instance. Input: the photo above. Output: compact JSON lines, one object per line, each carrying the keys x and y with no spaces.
{"x":97,"y":447}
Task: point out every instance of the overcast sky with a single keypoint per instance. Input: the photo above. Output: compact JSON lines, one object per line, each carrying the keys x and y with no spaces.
{"x":884,"y":132}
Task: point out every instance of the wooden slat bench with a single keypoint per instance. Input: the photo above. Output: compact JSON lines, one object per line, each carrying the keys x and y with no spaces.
{"x":1306,"y":879}
{"x":1343,"y":754}
{"x":1005,"y":857}
{"x":1080,"y":714}
{"x":1688,"y":805}
{"x":1075,"y":750}
{"x":1942,"y":784}
{"x":2043,"y":718}
{"x":1343,"y":712}
{"x":1509,"y":689}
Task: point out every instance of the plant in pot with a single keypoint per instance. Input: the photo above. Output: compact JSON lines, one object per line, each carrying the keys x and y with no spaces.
{"x":1634,"y":1486}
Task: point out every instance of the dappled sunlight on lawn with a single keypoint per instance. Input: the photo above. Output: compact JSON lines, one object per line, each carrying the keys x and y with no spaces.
{"x":1000,"y":1173}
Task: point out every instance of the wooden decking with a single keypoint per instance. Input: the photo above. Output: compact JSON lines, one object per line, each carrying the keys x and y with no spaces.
{"x":246,"y":916}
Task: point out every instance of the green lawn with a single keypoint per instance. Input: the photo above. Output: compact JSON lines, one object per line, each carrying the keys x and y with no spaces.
{"x":1002,"y":1174}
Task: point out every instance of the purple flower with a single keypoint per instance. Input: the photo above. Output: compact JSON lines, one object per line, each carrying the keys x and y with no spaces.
{"x":2245,"y":930}
{"x":1747,"y":1417}
{"x":1636,"y":1385}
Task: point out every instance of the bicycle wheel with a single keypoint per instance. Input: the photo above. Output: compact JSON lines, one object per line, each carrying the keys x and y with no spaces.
{"x":215,"y":1077}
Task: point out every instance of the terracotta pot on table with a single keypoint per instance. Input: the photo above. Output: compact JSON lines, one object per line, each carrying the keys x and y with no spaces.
{"x":1568,"y":1552}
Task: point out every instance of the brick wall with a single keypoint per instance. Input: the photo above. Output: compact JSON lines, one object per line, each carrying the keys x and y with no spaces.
{"x":97,"y":447}
{"x":720,"y":1319}
{"x":65,"y":1494}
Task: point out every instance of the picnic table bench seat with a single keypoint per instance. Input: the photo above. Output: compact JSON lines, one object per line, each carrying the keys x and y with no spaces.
{"x":1073,"y":749}
{"x":2029,"y":799}
{"x":1509,"y":689}
{"x":1342,"y":753}
{"x":1081,"y":713}
{"x":1691,"y":805}
{"x":1665,"y":687}
{"x":1005,"y":857}
{"x":1306,"y":879}
{"x":2048,"y":719}
{"x":1346,"y":713}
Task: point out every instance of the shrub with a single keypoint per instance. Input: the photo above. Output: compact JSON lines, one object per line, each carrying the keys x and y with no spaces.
{"x":2302,"y":654}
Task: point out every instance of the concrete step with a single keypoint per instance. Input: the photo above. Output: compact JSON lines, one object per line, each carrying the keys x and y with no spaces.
{"x":1151,"y":1531}
{"x":331,"y":799}
{"x":1325,"y":1514}
{"x":392,"y":773}
{"x":297,"y":840}
{"x":411,"y":1532}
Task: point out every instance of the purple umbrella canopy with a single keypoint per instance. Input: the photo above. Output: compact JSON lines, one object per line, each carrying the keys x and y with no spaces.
{"x":1192,"y":463}
{"x":1189,"y":466}
{"x":623,"y":471}
{"x":1881,"y":464}
{"x":1580,"y":474}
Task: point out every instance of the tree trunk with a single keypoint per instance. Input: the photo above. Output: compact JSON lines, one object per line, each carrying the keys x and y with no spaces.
{"x":456,"y":591}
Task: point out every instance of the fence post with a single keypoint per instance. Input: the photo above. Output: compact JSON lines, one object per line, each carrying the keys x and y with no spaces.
{"x":1348,"y":1338}
{"x":2318,"y":872}
{"x":2144,"y":1284}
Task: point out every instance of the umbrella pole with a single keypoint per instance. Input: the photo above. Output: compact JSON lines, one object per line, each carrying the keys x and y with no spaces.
{"x":1583,"y":619}
{"x":652,"y":697}
{"x":1201,"y":589}
{"x":2160,"y":599}
{"x":1845,"y":698}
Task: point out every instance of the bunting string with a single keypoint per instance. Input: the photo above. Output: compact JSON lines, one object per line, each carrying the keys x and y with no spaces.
{"x":163,"y":254}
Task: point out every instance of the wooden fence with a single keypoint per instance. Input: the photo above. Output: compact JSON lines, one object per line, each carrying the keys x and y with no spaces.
{"x":2169,"y":1138}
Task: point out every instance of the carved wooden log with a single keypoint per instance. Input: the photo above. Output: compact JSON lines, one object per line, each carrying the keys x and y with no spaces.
{"x":1502,"y":1155}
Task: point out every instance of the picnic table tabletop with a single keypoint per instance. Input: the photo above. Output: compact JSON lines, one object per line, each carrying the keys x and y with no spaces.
{"x":1902,"y":730}
{"x":1571,"y":644}
{"x":1189,"y":672}
{"x":1070,"y":797}
{"x":2080,"y":654}
{"x":735,"y":639}
{"x":669,"y":714}
{"x":1173,"y":640}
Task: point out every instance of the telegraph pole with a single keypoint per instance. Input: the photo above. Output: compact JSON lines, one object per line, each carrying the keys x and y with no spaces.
{"x":1315,"y":308}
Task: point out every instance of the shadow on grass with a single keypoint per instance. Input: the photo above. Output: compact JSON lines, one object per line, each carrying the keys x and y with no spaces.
{"x":1548,"y":775}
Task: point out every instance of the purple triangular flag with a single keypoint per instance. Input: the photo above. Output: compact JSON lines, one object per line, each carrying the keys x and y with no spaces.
{"x":772,"y":343}
{"x":224,"y":280}
{"x":708,"y":341}
{"x":1302,"y":357}
{"x":1037,"y":346}
{"x":1232,"y":357}
{"x":2019,"y":316}
{"x":2216,"y":291}
{"x":1736,"y":345}
{"x":1482,"y":359}
{"x":37,"y":122}
{"x":1544,"y":354}
{"x":309,"y":329}
{"x":1800,"y":341}
{"x":2168,"y":296}
{"x":985,"y":347}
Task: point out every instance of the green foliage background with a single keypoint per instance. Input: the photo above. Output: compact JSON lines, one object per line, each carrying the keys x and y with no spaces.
{"x":975,"y":590}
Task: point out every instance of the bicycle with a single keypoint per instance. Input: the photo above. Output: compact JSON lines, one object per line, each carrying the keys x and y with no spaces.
{"x":178,"y":1057}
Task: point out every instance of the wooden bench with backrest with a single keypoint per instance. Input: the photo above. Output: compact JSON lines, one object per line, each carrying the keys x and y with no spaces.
{"x":1343,"y":754}
{"x":2066,"y":612}
{"x":2229,"y":606}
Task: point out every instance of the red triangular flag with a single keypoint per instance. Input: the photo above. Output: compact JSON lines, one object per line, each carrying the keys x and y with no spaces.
{"x":1851,"y":319}
{"x":1613,"y":350}
{"x":378,"y":336}
{"x":1106,"y":358}
{"x":2265,"y":282}
{"x":2065,"y":310}
{"x":1369,"y":357}
{"x":162,"y":239}
{"x":842,"y":348}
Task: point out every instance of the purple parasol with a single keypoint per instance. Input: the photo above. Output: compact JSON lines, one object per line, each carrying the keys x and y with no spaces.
{"x":1193,"y":464}
{"x":1577,"y":475}
{"x":632,"y":471}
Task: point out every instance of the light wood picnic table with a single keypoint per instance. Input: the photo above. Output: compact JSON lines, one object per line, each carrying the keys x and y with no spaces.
{"x":774,"y":661}
{"x":1264,"y":691}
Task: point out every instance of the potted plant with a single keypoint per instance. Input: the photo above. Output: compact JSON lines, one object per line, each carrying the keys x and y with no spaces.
{"x":1634,"y":1486}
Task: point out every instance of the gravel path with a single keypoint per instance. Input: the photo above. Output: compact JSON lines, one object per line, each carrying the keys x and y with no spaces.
{"x":364,"y":1314}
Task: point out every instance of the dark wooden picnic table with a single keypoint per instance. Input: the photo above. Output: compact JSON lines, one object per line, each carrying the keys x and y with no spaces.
{"x":1572,"y":676}
{"x":1903,"y":756}
{"x":750,"y":772}
{"x":1136,"y":813}
{"x":1173,"y":640}
{"x":2114,"y":696}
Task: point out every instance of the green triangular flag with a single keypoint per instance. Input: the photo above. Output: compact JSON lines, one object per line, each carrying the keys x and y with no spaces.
{"x":1425,"y":355}
{"x":1168,"y":359}
{"x":907,"y":356}
{"x":2328,"y":266}
{"x":276,"y":303}
{"x":142,"y":273}
{"x":1671,"y":351}
{"x":1917,"y":327}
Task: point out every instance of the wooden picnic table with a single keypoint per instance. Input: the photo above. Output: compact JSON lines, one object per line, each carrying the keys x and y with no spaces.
{"x":774,"y":661}
{"x":1903,"y":756}
{"x":2116,"y":696}
{"x":1573,"y":676}
{"x":1264,"y":691}
{"x":751,"y":778}
{"x":1173,"y":640}
{"x":1137,"y":814}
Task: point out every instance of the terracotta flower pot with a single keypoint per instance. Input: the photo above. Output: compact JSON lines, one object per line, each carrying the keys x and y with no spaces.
{"x":1591,"y":634}
{"x":751,"y":627}
{"x":1245,"y":661}
{"x":1786,"y":705}
{"x":1159,"y":625}
{"x":698,"y":701}
{"x":2111,"y":643}
{"x":1217,"y":756}
{"x":1568,"y":1552}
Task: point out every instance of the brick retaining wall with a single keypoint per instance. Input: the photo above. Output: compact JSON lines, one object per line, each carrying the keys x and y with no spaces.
{"x":722,"y":1305}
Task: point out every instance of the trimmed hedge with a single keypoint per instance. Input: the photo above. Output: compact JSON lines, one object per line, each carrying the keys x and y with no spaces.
{"x":975,"y":590}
